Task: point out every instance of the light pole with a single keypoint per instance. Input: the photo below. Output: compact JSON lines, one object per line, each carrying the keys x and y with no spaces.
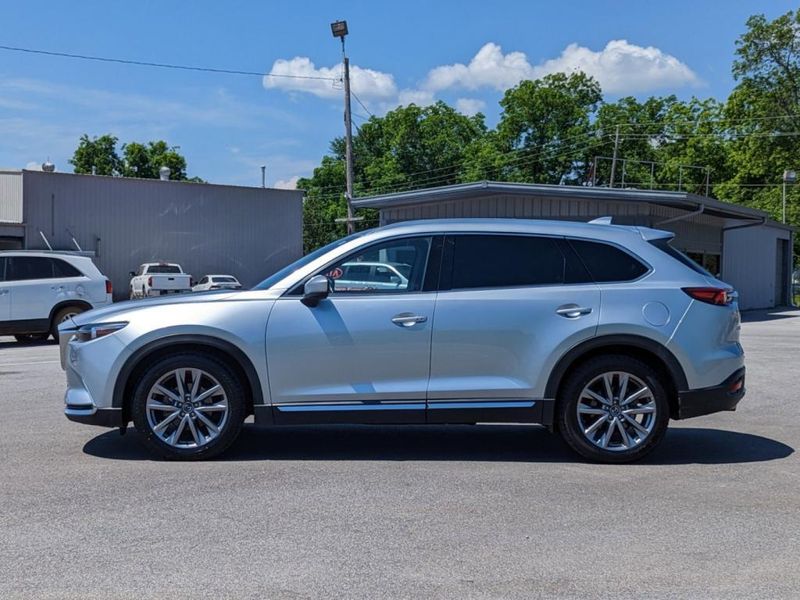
{"x":788,"y":177}
{"x":339,"y":29}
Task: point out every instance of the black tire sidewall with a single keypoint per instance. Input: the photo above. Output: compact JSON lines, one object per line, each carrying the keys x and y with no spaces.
{"x":228,"y":381}
{"x":59,"y":316}
{"x":568,"y":400}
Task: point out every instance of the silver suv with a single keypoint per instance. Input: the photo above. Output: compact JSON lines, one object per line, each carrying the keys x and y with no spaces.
{"x":600,"y":332}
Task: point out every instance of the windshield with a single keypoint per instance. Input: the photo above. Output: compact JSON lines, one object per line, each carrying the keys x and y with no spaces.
{"x":308,"y":258}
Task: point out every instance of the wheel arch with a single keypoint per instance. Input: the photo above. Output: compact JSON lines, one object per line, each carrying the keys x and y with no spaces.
{"x":644,"y":349}
{"x":66,"y":304}
{"x":223,"y":350}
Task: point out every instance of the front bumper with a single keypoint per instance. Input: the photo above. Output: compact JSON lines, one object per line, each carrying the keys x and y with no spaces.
{"x":725,"y":396}
{"x":103,"y":417}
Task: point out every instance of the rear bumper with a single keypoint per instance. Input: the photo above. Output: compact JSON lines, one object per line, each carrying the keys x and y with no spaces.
{"x":725,"y":396}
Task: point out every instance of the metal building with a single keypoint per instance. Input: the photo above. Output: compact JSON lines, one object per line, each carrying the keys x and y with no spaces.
{"x":248,"y":232}
{"x":742,"y":245}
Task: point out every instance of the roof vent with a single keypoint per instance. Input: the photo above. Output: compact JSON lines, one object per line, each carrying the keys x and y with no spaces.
{"x":163,"y":173}
{"x":48,"y":167}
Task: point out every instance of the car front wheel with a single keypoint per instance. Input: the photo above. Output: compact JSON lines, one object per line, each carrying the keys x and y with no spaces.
{"x":188,"y":407}
{"x":613,"y":409}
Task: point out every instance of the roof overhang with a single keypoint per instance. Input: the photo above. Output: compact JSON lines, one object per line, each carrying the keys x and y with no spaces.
{"x":679,"y":200}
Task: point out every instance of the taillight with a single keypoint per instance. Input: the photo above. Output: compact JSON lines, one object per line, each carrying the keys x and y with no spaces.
{"x":109,"y":287}
{"x":711,"y":295}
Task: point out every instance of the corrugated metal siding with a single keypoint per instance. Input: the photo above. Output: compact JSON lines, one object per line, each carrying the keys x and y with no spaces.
{"x":10,"y":197}
{"x":247,"y":232}
{"x":749,"y":263}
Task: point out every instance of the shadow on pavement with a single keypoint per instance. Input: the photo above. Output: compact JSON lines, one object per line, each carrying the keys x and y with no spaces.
{"x":774,"y":314}
{"x":500,"y":443}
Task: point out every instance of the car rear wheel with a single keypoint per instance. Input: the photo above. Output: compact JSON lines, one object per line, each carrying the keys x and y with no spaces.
{"x":188,"y":407}
{"x":613,"y":409}
{"x":63,"y":315}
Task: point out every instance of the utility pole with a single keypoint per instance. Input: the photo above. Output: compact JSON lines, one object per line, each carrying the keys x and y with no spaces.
{"x":348,"y":152}
{"x":339,"y":29}
{"x":614,"y":159}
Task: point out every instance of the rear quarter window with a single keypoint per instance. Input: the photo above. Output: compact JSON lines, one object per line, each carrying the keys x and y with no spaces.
{"x":62,"y":268}
{"x":607,"y":263}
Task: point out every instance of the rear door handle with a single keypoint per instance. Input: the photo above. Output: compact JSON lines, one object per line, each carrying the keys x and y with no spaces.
{"x":573,"y":311}
{"x":408,"y":319}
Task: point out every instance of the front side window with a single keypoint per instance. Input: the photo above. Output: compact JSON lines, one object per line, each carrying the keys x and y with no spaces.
{"x":22,"y":268}
{"x":490,"y":261}
{"x":396,"y":266}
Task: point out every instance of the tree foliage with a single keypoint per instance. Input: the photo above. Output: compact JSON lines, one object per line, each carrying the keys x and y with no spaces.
{"x":137,"y":160}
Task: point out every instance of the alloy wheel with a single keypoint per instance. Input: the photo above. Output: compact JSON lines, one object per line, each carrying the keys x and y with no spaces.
{"x":187,"y":408}
{"x":616,"y":411}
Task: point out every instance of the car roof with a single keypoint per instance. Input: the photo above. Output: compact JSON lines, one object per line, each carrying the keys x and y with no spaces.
{"x":218,"y":275}
{"x":45,"y":253}
{"x":601,"y":231}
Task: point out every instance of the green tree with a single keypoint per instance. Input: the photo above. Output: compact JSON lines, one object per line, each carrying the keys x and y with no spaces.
{"x":409,"y":147}
{"x":764,"y":115}
{"x":145,"y":160}
{"x":138,"y":160}
{"x":545,"y":129}
{"x":99,"y":153}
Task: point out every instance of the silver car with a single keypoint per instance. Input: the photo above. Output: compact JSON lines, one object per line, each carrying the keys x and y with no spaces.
{"x":600,"y":332}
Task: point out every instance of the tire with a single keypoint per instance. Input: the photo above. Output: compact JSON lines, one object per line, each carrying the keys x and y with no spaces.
{"x":586,"y":432}
{"x":196,"y":440}
{"x":61,"y":316}
{"x":31,"y":338}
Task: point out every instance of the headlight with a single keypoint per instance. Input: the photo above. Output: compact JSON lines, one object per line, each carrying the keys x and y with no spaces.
{"x":97,"y":330}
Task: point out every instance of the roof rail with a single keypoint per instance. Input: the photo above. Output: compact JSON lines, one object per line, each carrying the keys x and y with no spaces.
{"x":601,"y":221}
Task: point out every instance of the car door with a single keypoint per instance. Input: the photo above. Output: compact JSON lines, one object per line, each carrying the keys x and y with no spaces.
{"x":32,"y":288}
{"x":507,"y":305}
{"x":363,"y":353}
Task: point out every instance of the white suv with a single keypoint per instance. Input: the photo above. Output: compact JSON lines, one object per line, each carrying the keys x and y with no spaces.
{"x":39,"y":290}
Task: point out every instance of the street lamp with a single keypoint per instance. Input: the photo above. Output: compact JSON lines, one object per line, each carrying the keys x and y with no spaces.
{"x":339,"y":30}
{"x":788,"y":177}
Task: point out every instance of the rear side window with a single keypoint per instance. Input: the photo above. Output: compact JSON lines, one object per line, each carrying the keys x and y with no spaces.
{"x":664,"y":245}
{"x":2,"y":268}
{"x":21,"y":268}
{"x":607,"y":263}
{"x":485,"y":261}
{"x":62,"y":268}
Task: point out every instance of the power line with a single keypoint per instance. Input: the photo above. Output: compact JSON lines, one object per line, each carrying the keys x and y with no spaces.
{"x":352,"y":93}
{"x":141,"y":63}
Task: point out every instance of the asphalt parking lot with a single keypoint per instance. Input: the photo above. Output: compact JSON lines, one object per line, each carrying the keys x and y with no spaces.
{"x":456,"y":512}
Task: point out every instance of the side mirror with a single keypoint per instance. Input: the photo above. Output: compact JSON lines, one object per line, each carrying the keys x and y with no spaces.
{"x":132,"y":273}
{"x":317,"y":288}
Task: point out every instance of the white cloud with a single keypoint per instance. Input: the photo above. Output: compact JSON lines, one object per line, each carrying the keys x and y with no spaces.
{"x":366,"y":83}
{"x":33,"y":166}
{"x":470,"y":106}
{"x":488,"y":68}
{"x":287,"y":184}
{"x":620,"y":67}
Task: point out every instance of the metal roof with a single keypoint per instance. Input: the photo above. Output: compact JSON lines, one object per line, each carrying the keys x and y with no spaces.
{"x":680,"y":200}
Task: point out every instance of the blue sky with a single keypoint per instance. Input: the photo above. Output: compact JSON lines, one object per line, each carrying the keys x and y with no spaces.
{"x":463,"y":52}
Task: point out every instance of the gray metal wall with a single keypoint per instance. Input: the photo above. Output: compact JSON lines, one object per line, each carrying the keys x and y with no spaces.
{"x":10,"y":197}
{"x":247,"y":232}
{"x":700,"y":233}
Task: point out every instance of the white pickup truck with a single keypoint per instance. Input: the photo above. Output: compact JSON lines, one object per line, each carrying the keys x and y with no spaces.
{"x":158,"y":279}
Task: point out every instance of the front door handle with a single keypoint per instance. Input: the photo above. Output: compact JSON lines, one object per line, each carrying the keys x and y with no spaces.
{"x":573,"y":311}
{"x":408,"y":319}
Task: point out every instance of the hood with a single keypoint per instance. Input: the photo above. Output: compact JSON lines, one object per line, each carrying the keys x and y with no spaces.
{"x":107,"y":313}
